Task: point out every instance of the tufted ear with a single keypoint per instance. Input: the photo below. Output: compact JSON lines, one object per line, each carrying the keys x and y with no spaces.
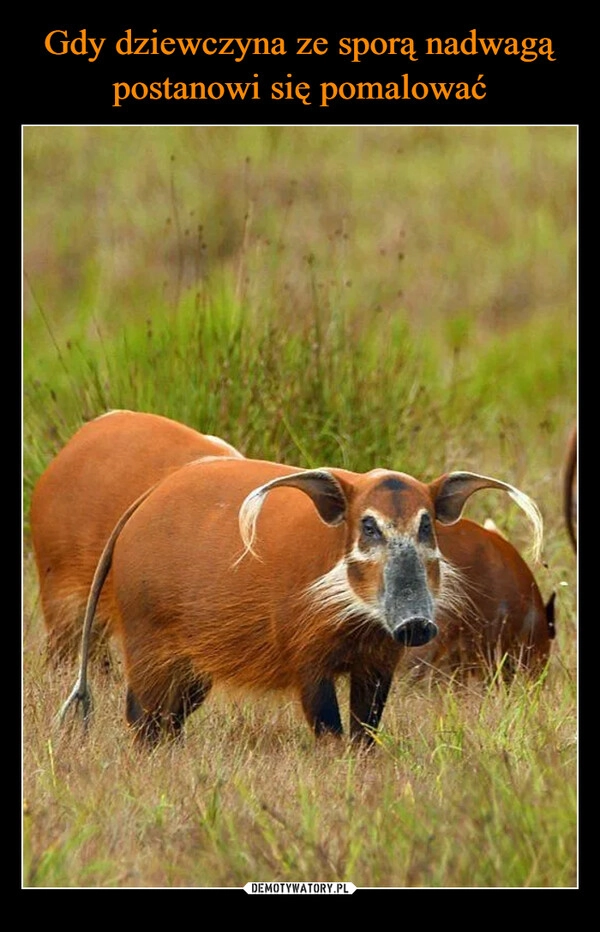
{"x":326,"y":492}
{"x":451,"y":491}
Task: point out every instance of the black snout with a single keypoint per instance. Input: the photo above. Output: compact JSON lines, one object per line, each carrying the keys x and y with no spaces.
{"x":414,"y":632}
{"x":408,"y":601}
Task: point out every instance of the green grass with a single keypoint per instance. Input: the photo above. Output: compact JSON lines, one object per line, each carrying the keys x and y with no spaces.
{"x":358,"y":297}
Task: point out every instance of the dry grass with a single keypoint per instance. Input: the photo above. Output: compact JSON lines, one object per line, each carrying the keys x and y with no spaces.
{"x":248,"y":795}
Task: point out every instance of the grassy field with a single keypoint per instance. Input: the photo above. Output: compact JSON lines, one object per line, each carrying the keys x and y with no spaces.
{"x":346,"y":296}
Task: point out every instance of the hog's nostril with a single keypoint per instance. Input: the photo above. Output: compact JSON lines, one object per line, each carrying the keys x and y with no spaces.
{"x":415,"y":632}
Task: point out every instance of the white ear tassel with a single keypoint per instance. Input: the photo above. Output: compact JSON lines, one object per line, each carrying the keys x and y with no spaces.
{"x":534,"y":514}
{"x":526,"y":504}
{"x":248,"y":517}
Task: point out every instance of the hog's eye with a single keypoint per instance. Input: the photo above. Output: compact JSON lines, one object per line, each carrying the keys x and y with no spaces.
{"x":370,"y":528}
{"x":425,"y":532}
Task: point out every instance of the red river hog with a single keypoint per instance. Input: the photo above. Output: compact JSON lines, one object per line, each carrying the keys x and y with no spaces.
{"x":264,"y":576}
{"x":77,"y":501}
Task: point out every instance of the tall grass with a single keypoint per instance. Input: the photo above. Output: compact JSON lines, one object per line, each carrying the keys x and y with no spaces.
{"x":359,"y":297}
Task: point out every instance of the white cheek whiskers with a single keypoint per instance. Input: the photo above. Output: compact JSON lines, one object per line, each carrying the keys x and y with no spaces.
{"x":453,"y":596}
{"x":333,"y":594}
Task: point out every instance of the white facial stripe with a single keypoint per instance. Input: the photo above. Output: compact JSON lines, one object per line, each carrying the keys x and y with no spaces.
{"x":388,"y":529}
{"x":434,"y":549}
{"x":372,"y":555}
{"x":382,"y":521}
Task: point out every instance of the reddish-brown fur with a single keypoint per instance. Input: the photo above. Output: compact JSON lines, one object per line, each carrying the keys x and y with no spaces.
{"x":570,"y":488}
{"x":247,"y":625}
{"x":502,"y":620}
{"x":196,"y":607}
{"x":77,"y":501}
